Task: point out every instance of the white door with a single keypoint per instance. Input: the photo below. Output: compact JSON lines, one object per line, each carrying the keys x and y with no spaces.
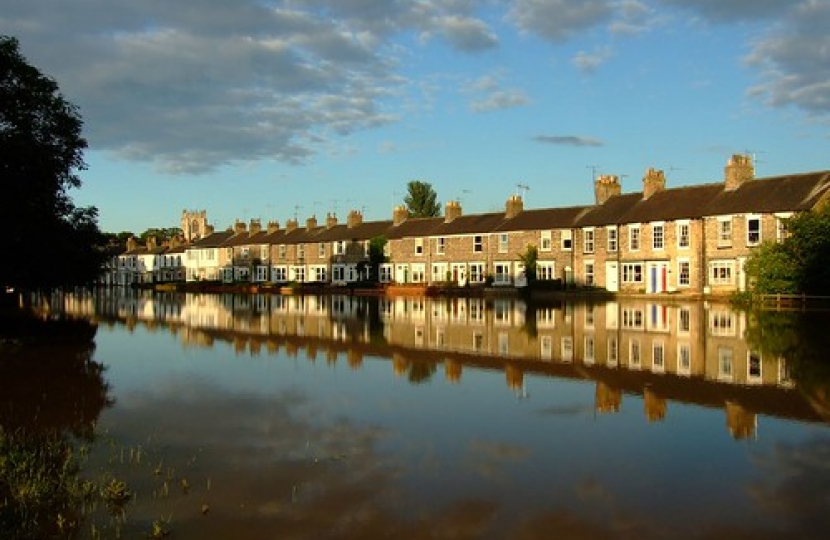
{"x":612,"y":277}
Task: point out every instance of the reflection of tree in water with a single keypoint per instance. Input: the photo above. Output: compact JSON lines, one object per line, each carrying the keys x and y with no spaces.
{"x":51,"y":395}
{"x":803,"y":340}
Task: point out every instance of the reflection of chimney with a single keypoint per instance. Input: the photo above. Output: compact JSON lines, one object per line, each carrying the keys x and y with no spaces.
{"x":654,"y":405}
{"x":331,"y":220}
{"x":740,"y":421}
{"x":653,"y":182}
{"x":354,"y":358}
{"x":739,"y":169}
{"x":331,"y":357}
{"x":514,"y":206}
{"x":399,"y":215}
{"x":605,"y":187}
{"x":132,"y":244}
{"x":515,"y":377}
{"x":400,"y":365}
{"x":607,"y":399}
{"x":452,"y":211}
{"x":355,"y":218}
{"x":151,"y":242}
{"x":452,"y":371}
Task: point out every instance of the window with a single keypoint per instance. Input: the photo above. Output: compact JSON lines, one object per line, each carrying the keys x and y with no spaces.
{"x":753,"y":368}
{"x":781,"y":232}
{"x":301,"y":251}
{"x":280,"y":274}
{"x":684,"y":320}
{"x":658,"y":357}
{"x":476,"y":272}
{"x":545,"y":270}
{"x":634,"y":354}
{"x":502,"y":273}
{"x":321,"y":250}
{"x":545,"y":242}
{"x":725,"y":363}
{"x":612,"y":352}
{"x":632,"y":272}
{"x":612,"y":239}
{"x":588,"y":240}
{"x":340,"y":247}
{"x":419,"y":246}
{"x":632,"y":318}
{"x":440,"y":245}
{"x":320,"y":273}
{"x":567,"y":240}
{"x":657,"y":236}
{"x":589,"y":273}
{"x":725,"y":232}
{"x":590,"y":350}
{"x":683,"y":273}
{"x":634,"y":237}
{"x":753,"y":231}
{"x":684,"y":359}
{"x":478,"y":244}
{"x":567,"y":349}
{"x":503,"y":243}
{"x":722,"y":323}
{"x":683,"y":235}
{"x":720,"y":272}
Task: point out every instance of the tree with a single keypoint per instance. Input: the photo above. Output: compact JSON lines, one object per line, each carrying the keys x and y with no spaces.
{"x":50,"y":241}
{"x":377,"y":246}
{"x":421,"y":200}
{"x":530,"y":260}
{"x":799,"y":264}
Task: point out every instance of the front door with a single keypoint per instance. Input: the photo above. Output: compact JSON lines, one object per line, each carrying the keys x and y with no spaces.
{"x":612,"y":277}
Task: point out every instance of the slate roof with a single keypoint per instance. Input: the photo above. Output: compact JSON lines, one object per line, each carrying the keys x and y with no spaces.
{"x":609,"y":213}
{"x":543,"y":219}
{"x":212,"y":240}
{"x":794,"y":192}
{"x":688,"y":202}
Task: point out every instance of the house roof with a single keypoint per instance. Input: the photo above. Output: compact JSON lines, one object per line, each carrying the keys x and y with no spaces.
{"x":610,"y":212}
{"x":686,"y":202}
{"x":794,"y":192}
{"x":212,"y":240}
{"x":542,"y":219}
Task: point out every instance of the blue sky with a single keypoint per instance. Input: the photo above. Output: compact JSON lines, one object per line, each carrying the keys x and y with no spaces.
{"x":276,"y":109}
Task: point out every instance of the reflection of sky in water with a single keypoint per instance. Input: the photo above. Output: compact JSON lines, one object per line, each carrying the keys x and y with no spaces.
{"x":307,"y":449}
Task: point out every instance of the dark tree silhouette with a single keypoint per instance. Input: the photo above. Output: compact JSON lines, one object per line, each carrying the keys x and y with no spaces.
{"x":421,"y":200}
{"x":51,"y":241}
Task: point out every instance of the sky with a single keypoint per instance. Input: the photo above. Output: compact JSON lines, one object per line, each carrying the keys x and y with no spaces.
{"x":291,"y":108}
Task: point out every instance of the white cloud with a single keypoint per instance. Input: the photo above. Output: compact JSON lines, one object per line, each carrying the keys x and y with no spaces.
{"x":589,"y":62}
{"x":558,"y":20}
{"x":795,"y":61}
{"x":489,"y":95}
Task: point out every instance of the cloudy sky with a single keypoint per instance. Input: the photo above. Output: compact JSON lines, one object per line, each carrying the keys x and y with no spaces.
{"x":279,"y":108}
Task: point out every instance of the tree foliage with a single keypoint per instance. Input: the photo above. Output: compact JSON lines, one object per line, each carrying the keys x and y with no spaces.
{"x":52,"y":242}
{"x":421,"y":200}
{"x":530,"y":260}
{"x":798,"y":264}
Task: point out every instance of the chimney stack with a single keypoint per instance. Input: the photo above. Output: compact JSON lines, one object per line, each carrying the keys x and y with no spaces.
{"x":739,"y":169}
{"x":400,"y":215}
{"x":355,"y":218}
{"x":514,"y":206}
{"x":653,"y":182}
{"x":452,"y":211}
{"x":605,"y":187}
{"x":331,"y":220}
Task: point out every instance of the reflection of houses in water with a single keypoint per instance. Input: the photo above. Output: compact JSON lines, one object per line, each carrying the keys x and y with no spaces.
{"x":688,"y":352}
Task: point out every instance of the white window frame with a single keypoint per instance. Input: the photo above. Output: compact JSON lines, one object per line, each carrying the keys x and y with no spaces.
{"x":634,"y":238}
{"x":588,"y":238}
{"x":440,"y":245}
{"x":478,"y":243}
{"x":684,"y":232}
{"x":724,"y":232}
{"x":722,"y":272}
{"x":658,"y":236}
{"x":612,"y":239}
{"x":566,"y":240}
{"x":684,"y":278}
{"x":630,"y":273}
{"x":419,"y":246}
{"x":545,"y":241}
{"x":753,"y":237}
{"x":504,"y":242}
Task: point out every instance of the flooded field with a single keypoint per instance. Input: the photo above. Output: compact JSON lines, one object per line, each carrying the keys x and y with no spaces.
{"x":250,"y":417}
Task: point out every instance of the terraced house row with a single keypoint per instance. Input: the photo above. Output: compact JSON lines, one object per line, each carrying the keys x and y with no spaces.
{"x":691,"y":239}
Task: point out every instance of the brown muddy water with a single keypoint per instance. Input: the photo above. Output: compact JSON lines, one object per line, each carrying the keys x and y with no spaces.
{"x":251,"y":417}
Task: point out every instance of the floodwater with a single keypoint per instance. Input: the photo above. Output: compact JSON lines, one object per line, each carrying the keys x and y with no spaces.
{"x":251,"y":417}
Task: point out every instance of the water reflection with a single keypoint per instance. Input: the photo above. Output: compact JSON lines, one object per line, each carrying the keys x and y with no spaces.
{"x":323,"y":417}
{"x":691,"y":352}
